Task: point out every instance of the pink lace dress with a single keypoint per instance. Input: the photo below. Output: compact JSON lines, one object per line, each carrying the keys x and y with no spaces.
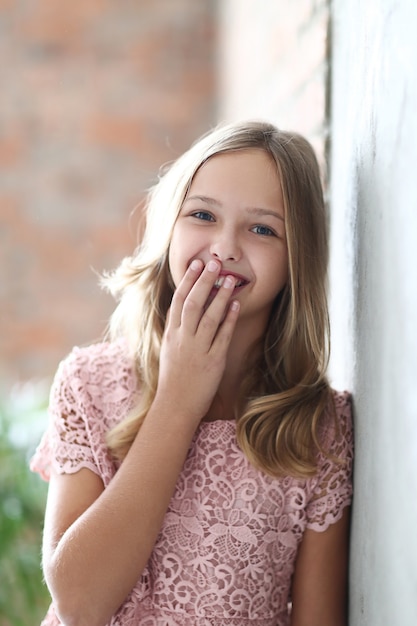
{"x":226,"y":551}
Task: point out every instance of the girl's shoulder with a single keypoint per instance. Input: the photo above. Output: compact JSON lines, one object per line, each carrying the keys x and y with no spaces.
{"x":330,"y":490}
{"x":98,"y":362}
{"x":336,"y":429}
{"x":340,"y":409}
{"x":342,"y":402}
{"x":105,"y":354}
{"x":99,"y":373}
{"x":93,"y":389}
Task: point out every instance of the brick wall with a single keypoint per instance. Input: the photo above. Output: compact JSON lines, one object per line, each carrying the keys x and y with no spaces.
{"x":95,"y":96}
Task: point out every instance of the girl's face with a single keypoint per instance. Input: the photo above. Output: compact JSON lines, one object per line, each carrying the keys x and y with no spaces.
{"x":234,"y":212}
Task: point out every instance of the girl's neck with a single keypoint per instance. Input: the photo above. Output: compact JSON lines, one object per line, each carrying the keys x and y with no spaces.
{"x":241,"y":355}
{"x":244,"y":350}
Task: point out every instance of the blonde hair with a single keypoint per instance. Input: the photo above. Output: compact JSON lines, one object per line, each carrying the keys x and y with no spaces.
{"x":286,"y":394}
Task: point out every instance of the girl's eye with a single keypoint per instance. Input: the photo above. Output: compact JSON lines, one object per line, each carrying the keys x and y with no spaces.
{"x":259,"y":229}
{"x":203,"y":215}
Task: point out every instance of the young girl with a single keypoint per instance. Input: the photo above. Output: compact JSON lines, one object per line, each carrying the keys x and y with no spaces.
{"x":199,"y":463}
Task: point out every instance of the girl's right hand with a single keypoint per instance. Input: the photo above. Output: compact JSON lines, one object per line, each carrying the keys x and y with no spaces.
{"x":196,"y":339}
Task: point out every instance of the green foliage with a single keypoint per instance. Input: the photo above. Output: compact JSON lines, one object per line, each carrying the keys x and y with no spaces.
{"x":23,"y":595}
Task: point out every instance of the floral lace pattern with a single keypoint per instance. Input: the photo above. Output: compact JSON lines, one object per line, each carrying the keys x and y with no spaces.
{"x":226,"y":551}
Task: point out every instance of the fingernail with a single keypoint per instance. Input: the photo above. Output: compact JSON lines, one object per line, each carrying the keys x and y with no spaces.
{"x":235,"y":305}
{"x":212,"y":266}
{"x":194,"y":265}
{"x":229,"y":282}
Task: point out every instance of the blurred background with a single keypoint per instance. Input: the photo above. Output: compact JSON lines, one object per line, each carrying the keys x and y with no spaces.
{"x":95,"y":95}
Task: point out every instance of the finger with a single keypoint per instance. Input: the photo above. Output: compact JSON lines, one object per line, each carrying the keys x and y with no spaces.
{"x":225,"y":332}
{"x":200,"y":296}
{"x":181,"y":293}
{"x":216,"y":310}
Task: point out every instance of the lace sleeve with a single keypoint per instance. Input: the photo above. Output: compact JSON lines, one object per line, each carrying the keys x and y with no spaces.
{"x":332,"y":487}
{"x":66,"y":444}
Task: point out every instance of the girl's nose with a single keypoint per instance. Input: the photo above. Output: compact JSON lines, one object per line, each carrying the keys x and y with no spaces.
{"x":226,"y":247}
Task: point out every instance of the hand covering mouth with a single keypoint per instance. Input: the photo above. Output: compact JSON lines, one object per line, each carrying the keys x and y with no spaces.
{"x":240,"y":282}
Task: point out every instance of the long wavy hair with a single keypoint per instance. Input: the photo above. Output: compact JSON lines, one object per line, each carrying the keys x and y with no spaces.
{"x":286,"y":393}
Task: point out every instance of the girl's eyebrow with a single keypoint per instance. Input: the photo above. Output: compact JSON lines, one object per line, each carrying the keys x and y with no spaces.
{"x":204,"y":199}
{"x":259,"y":211}
{"x":255,"y":210}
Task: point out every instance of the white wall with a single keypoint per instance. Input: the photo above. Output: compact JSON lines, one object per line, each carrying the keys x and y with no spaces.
{"x":374,"y":293}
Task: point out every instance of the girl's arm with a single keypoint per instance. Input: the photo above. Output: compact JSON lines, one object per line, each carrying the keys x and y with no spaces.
{"x":319,"y":593}
{"x":97,"y":541}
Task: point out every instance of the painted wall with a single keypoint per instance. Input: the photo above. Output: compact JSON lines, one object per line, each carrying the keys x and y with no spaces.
{"x":374,"y":293}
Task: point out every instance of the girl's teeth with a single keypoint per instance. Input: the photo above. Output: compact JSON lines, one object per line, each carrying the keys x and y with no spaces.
{"x":219,"y":282}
